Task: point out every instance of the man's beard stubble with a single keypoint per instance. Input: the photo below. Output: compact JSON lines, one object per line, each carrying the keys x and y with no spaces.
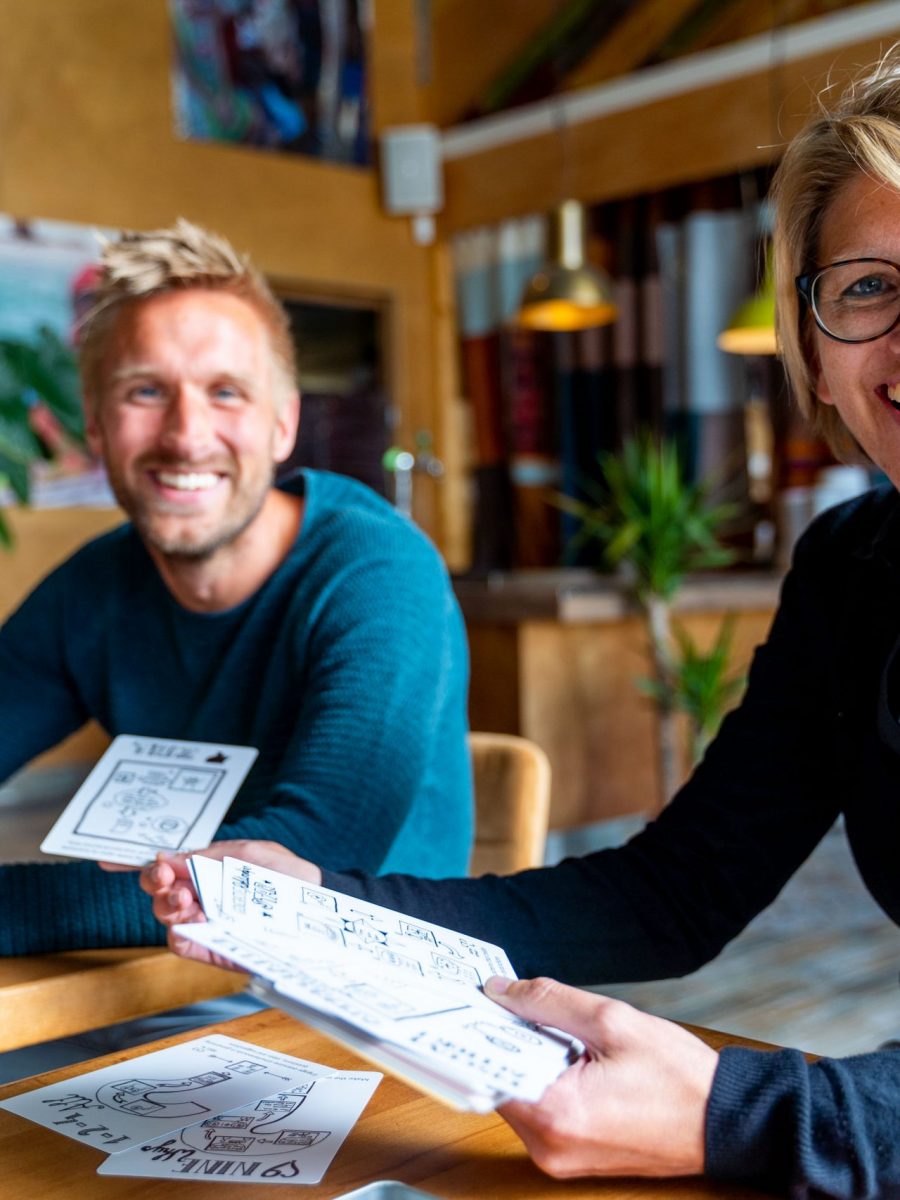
{"x":182,"y":550}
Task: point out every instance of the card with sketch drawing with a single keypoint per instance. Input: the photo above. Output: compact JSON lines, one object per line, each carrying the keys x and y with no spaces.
{"x":129,"y":1103}
{"x":149,"y":794}
{"x":403,"y":992}
{"x":288,"y":1137}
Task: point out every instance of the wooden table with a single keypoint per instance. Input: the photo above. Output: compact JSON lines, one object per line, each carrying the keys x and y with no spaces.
{"x":47,"y":996}
{"x":401,"y":1135}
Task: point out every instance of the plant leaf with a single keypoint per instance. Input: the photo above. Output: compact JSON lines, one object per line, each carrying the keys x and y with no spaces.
{"x":45,"y":369}
{"x":17,"y":476}
{"x":18,"y":440}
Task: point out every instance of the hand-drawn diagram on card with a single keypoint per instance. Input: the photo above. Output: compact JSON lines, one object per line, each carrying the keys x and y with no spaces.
{"x":288,"y":1137}
{"x":145,"y":804}
{"x":266,"y":1129}
{"x":149,"y":794}
{"x":211,"y":1107}
{"x":162,"y":1098}
{"x":402,"y":991}
{"x":120,"y":1106}
{"x":330,"y":922}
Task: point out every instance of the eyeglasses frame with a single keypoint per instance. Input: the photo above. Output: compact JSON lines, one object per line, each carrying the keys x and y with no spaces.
{"x":804,"y":285}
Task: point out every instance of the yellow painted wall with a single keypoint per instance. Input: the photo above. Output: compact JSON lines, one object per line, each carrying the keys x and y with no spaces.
{"x":86,"y":134}
{"x":43,"y":538}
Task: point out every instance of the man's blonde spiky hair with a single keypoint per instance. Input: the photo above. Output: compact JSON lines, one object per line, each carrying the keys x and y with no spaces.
{"x":136,"y":266}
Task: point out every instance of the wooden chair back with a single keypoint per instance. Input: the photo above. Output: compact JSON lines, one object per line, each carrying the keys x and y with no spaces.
{"x":512,"y":803}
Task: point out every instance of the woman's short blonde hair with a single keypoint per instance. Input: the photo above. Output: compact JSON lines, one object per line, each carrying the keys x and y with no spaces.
{"x":137,"y":266}
{"x":859,"y":133}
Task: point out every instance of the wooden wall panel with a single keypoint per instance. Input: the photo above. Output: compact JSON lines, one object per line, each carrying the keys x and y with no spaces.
{"x":86,"y":134}
{"x":398,"y":95}
{"x":43,"y":538}
{"x":698,"y":134}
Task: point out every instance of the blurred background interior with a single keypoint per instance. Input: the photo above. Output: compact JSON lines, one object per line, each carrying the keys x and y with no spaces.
{"x":414,"y":176}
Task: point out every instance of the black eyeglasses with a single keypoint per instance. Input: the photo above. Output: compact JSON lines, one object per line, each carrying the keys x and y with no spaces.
{"x":856,"y":300}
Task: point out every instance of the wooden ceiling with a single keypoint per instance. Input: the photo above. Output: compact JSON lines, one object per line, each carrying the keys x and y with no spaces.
{"x":478,"y":58}
{"x":713,"y":116}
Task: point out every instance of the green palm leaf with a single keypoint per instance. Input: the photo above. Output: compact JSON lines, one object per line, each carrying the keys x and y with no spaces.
{"x":43,"y":369}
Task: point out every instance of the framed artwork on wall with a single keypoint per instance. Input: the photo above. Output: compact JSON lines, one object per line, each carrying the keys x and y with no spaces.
{"x":280,"y":74}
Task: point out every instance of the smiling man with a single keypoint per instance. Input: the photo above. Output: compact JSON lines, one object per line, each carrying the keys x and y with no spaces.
{"x":190,"y":411}
{"x":307,"y":619}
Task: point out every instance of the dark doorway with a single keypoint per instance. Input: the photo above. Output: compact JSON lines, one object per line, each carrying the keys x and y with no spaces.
{"x":345,"y":419}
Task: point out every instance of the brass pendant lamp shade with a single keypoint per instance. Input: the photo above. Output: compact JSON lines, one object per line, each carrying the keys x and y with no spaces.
{"x":568,"y":294}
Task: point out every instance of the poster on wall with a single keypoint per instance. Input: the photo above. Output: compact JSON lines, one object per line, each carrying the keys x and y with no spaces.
{"x":282,"y":74}
{"x":46,"y":279}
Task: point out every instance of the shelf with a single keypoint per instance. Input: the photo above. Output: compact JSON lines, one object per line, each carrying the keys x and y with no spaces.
{"x":581,"y":596}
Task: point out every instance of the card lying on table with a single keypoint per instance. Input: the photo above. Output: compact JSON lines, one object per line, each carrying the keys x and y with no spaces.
{"x":148,"y":794}
{"x":403,"y":992}
{"x":128,"y":1103}
{"x":289,"y":1137}
{"x":212,"y":1106}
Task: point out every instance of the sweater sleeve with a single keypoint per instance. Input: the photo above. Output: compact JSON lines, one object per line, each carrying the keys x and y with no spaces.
{"x":668,"y":901}
{"x":39,"y":701}
{"x":54,"y":906}
{"x":49,"y":907}
{"x":826,"y":1128}
{"x":378,"y":736}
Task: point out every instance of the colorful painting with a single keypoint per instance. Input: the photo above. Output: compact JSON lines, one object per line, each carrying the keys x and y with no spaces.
{"x":46,"y":276}
{"x":41,"y":263}
{"x":283,"y":74}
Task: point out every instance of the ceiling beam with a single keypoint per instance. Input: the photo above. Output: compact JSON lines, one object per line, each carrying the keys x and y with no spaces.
{"x":700,"y":116}
{"x":631,"y":42}
{"x":747,"y":18}
{"x":473,"y":42}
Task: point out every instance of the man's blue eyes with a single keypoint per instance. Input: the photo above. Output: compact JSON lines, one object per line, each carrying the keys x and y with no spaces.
{"x":151,"y":391}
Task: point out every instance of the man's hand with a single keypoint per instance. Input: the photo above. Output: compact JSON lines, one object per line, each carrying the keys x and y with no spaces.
{"x":168,"y":882}
{"x":633,"y":1104}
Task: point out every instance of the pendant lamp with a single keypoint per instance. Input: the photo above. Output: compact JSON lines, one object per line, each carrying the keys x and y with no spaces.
{"x":751,"y":329}
{"x":567,"y":293}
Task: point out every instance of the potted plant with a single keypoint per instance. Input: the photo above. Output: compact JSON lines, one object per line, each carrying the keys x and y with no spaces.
{"x":40,"y":407}
{"x":657,"y":527}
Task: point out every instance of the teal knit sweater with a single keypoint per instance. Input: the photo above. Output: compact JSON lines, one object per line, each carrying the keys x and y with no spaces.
{"x":347,"y":670}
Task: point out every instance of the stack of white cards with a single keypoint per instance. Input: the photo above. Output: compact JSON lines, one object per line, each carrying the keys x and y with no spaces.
{"x":214,"y":1107}
{"x":402,"y":992}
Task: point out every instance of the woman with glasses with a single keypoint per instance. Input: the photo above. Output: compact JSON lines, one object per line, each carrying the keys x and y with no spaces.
{"x":817,"y":735}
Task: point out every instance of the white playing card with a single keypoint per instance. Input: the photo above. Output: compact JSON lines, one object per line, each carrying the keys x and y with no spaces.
{"x":289,"y":1137}
{"x":207,"y":876}
{"x":132,"y":1102}
{"x":149,"y":794}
